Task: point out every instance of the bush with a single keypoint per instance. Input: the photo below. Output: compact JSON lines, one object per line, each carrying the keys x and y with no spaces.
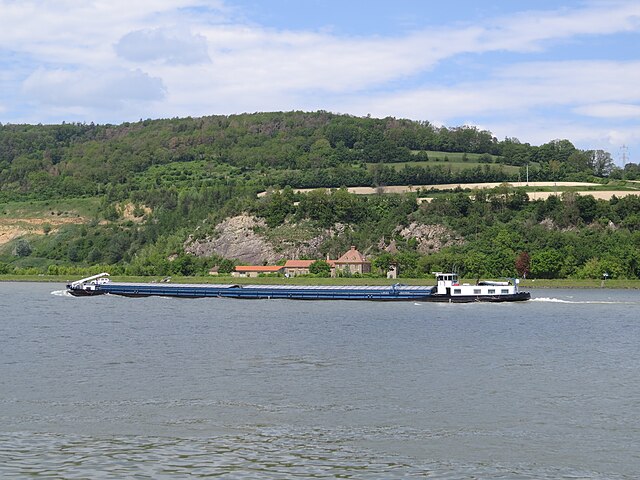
{"x":23,"y":248}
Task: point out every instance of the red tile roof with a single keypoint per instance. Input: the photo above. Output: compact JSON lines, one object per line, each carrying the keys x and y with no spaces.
{"x":298,"y":263}
{"x":352,"y":256}
{"x":259,"y":268}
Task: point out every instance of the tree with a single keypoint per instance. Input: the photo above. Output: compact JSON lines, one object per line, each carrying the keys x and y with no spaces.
{"x":602,"y":163}
{"x":320,"y":268}
{"x":546,"y":263}
{"x":580,"y":161}
{"x":383,"y":261}
{"x":475,"y":264}
{"x":23,"y":248}
{"x":226,"y":266}
{"x":523,"y":263}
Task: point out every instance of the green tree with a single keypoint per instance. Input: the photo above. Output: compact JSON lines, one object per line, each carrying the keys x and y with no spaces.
{"x":475,"y":264}
{"x":226,"y":266}
{"x":546,"y":263}
{"x":383,"y":261}
{"x":602,"y":163}
{"x":320,"y":268}
{"x":23,"y":248}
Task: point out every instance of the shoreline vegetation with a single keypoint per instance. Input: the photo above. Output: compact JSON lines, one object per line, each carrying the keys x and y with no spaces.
{"x":524,"y":284}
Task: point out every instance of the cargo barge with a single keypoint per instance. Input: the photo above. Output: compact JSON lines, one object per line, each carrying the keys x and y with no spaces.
{"x":447,"y":290}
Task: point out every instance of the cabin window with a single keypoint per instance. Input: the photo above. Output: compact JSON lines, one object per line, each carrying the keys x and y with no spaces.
{"x":476,"y":291}
{"x":492,"y":291}
{"x":504,"y":290}
{"x":457,"y":291}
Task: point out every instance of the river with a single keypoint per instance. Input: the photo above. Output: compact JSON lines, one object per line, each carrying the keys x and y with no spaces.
{"x":113,"y":387}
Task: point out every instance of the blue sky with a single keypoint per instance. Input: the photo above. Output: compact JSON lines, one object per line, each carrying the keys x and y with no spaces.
{"x":536,"y":70}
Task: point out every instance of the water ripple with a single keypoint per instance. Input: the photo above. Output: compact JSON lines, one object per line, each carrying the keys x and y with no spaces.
{"x":270,"y":454}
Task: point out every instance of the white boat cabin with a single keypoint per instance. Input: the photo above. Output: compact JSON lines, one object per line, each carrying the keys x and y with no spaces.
{"x":90,"y":283}
{"x":449,"y":285}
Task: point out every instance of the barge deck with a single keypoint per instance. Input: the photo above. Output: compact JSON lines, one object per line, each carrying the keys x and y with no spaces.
{"x":447,"y":290}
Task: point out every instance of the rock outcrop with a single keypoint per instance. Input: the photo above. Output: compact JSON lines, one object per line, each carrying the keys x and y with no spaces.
{"x":430,"y":238}
{"x":235,"y":238}
{"x":247,"y":239}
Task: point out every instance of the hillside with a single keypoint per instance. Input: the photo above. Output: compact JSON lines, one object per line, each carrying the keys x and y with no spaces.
{"x":262,"y":150}
{"x":152,"y":197}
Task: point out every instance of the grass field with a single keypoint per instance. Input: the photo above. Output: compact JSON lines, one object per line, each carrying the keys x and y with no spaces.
{"x":454,"y":156}
{"x":69,"y":207}
{"x":455,"y":166}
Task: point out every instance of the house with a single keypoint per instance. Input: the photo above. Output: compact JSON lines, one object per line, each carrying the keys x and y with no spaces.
{"x":255,"y":270}
{"x":297,"y":267}
{"x":352,"y":262}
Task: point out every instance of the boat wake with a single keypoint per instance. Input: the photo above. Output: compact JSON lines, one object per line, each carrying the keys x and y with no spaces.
{"x":61,"y":293}
{"x":580,"y":302}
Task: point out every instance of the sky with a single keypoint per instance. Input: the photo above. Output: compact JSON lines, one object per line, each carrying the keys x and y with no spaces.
{"x":536,"y":70}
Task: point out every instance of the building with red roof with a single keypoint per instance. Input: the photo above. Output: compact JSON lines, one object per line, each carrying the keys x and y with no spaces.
{"x":255,"y":270}
{"x":353,"y":262}
{"x":297,"y":267}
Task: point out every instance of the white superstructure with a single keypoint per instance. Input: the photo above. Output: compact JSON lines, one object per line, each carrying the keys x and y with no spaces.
{"x":449,"y":284}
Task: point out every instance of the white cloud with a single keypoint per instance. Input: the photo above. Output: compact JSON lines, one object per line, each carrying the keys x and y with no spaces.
{"x":530,"y":29}
{"x":84,"y":31}
{"x":526,"y":86}
{"x":610,"y":110}
{"x":92,"y":89}
{"x":176,"y":46}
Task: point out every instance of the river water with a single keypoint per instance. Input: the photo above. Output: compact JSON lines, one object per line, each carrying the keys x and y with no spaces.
{"x":112,"y":387}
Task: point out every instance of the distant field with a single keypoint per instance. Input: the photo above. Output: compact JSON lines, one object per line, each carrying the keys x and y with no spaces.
{"x":453,"y":156}
{"x":453,"y":160}
{"x":454,"y":165}
{"x":70,"y":207}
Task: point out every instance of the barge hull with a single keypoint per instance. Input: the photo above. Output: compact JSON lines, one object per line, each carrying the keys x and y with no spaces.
{"x":287,"y":292}
{"x":260,"y":292}
{"x":517,"y":297}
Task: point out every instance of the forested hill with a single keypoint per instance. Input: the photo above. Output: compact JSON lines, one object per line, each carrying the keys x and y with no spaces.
{"x":269,"y":149}
{"x":142,"y":198}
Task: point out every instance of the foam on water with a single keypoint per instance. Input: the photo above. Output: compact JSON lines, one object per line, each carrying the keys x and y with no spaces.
{"x":62,"y":293}
{"x":581,"y":302}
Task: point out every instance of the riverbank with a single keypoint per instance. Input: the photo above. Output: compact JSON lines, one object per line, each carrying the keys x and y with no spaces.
{"x":524,"y":284}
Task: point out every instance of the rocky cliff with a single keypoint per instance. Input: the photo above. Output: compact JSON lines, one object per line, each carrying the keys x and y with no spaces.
{"x":248,"y":240}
